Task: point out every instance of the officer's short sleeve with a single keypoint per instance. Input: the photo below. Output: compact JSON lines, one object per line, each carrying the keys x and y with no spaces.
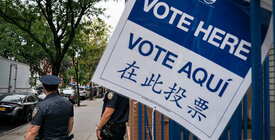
{"x":112,"y":99}
{"x":37,"y":115}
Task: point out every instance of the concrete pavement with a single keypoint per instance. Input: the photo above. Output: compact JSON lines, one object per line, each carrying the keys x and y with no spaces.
{"x":86,"y":116}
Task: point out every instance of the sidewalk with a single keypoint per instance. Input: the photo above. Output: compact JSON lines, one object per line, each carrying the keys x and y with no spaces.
{"x":86,"y":116}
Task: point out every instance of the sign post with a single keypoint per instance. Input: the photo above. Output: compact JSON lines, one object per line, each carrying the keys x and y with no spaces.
{"x":190,"y":60}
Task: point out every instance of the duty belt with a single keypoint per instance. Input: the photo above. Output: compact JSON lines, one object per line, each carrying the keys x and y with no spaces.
{"x":61,"y":138}
{"x":117,"y":124}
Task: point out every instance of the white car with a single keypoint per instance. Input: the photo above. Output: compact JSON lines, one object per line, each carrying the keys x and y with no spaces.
{"x":83,"y":92}
{"x":42,"y":96}
{"x":33,"y":91}
{"x":69,"y":93}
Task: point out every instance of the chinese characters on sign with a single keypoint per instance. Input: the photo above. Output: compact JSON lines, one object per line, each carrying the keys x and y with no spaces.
{"x":173,"y":94}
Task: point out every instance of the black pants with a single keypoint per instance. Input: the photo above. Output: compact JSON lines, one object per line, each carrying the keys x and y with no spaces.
{"x":118,"y":132}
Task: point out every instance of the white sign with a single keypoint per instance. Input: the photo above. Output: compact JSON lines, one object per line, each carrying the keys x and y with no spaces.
{"x":189,"y":60}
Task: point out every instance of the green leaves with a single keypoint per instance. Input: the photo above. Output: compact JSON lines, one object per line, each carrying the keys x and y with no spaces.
{"x":89,"y":43}
{"x":44,"y":24}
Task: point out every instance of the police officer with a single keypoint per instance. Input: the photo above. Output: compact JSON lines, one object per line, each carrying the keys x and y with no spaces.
{"x":53,"y":117}
{"x":115,"y":113}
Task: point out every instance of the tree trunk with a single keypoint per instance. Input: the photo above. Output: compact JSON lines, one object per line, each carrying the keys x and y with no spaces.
{"x":77,"y":85}
{"x":55,"y":68}
{"x":91,"y":91}
{"x":77,"y":80}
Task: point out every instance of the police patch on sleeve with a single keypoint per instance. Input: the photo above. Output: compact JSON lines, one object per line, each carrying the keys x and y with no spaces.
{"x":110,"y":95}
{"x":35,"y":110}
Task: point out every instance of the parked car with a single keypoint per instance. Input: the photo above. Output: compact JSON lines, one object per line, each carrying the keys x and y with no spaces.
{"x":17,"y":106}
{"x":98,"y":91}
{"x":69,"y":93}
{"x":39,"y":89}
{"x":33,"y":91}
{"x":83,"y":93}
{"x":41,"y":96}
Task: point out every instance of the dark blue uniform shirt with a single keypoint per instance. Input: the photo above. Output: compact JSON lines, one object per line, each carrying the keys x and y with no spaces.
{"x":53,"y":115}
{"x":120,"y":104}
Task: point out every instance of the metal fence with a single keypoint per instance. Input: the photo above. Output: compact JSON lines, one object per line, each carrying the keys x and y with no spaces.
{"x":260,"y":100}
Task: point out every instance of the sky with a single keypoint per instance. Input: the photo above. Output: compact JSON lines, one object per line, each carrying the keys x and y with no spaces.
{"x":114,"y":10}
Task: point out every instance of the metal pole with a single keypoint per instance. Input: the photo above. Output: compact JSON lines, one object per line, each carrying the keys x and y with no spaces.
{"x":154,"y":123}
{"x":162,"y":127}
{"x":236,"y":124}
{"x":224,"y":135}
{"x":171,"y":129}
{"x":139,"y":122}
{"x":147,"y":125}
{"x":186,"y":134}
{"x":257,"y":78}
{"x":266,"y":101}
{"x":245,"y":116}
{"x":174,"y":130}
{"x":273,"y":9}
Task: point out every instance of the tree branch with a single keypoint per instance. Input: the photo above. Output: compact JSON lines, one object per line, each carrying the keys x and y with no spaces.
{"x":41,"y":8}
{"x":14,"y":22}
{"x":62,"y":35}
{"x":49,"y":19}
{"x":72,"y":34}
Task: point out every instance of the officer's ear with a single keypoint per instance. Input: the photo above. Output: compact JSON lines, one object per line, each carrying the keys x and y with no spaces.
{"x":44,"y":89}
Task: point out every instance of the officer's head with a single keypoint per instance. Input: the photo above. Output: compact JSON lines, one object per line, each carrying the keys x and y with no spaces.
{"x":50,"y":82}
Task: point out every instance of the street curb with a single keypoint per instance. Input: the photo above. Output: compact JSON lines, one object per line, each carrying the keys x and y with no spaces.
{"x":10,"y":131}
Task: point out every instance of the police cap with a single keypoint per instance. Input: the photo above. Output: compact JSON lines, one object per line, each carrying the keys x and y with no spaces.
{"x":50,"y":80}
